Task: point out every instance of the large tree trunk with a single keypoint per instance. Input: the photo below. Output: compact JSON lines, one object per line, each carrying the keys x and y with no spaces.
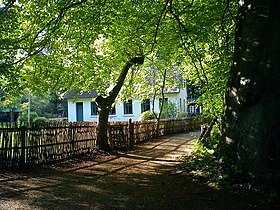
{"x":251,"y":125}
{"x":102,"y":138}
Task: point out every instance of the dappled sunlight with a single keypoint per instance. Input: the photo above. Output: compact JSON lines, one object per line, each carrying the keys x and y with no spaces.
{"x":145,"y":178}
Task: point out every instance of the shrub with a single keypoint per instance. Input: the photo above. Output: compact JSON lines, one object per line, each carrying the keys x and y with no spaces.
{"x":40,"y":120}
{"x":183,"y":114}
{"x":24,"y":118}
{"x":147,"y":115}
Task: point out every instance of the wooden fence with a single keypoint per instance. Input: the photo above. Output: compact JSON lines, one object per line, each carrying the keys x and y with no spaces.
{"x":55,"y":141}
{"x":38,"y":144}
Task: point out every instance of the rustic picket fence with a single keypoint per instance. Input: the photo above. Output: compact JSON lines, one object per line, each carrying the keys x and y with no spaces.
{"x":34,"y":144}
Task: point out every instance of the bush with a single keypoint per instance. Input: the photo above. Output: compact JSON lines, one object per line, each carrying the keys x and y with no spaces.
{"x":147,"y":115}
{"x":40,"y":120}
{"x":24,"y":118}
{"x":183,"y":114}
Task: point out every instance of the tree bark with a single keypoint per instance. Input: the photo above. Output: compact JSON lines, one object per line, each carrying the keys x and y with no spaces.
{"x":251,"y":122}
{"x":102,"y":138}
{"x":105,"y":104}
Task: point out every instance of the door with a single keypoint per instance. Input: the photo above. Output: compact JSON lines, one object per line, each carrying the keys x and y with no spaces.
{"x":79,"y":112}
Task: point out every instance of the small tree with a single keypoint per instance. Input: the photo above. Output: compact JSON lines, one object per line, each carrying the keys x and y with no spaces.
{"x":170,"y":110}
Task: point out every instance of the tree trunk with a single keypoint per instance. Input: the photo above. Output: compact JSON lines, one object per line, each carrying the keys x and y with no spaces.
{"x":251,"y":122}
{"x":102,"y":136}
{"x":105,"y":104}
{"x":161,"y":104}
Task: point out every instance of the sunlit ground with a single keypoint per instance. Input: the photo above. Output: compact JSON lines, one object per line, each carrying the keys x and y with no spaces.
{"x":145,"y":178}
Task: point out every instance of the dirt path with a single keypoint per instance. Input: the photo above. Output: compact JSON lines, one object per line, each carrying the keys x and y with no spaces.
{"x":145,"y":178}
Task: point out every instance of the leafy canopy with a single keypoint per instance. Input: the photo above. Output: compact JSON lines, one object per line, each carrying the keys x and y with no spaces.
{"x":69,"y":44}
{"x":65,"y":44}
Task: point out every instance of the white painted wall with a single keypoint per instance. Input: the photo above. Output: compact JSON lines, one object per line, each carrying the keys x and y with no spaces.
{"x":71,"y":110}
{"x":72,"y":115}
{"x":120,"y":116}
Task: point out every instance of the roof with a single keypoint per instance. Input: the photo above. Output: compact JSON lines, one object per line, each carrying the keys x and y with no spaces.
{"x":73,"y":94}
{"x":80,"y":94}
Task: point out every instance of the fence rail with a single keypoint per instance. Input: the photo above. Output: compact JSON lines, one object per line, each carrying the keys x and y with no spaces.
{"x":55,"y":141}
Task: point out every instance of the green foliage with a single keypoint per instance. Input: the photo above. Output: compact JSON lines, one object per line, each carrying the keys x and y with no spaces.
{"x":209,"y":50}
{"x":24,"y":118}
{"x":58,"y":119}
{"x":40,"y":120}
{"x":63,"y":45}
{"x":213,"y":140}
{"x":182,"y":114}
{"x":203,"y":162}
{"x":170,"y":110}
{"x":82,"y":45}
{"x":147,"y":115}
{"x":74,"y":45}
{"x":47,"y":105}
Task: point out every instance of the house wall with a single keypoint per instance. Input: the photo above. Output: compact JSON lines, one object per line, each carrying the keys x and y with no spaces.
{"x":177,"y":97}
{"x":120,"y":116}
{"x":72,"y":114}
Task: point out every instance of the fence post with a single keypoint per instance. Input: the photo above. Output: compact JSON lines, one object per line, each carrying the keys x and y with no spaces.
{"x":130,"y":134}
{"x":22,"y":139}
{"x":72,"y":138}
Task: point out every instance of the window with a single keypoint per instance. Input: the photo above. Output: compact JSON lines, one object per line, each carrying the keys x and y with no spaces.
{"x":94,"y":109}
{"x":128,"y":107}
{"x":145,"y":105}
{"x":113,"y":111}
{"x":192,"y":108}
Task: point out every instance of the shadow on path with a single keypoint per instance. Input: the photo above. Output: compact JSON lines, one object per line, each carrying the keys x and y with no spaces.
{"x":145,"y":178}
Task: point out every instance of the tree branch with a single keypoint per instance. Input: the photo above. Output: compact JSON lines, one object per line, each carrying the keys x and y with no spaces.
{"x":158,"y":24}
{"x":162,"y":93}
{"x":6,"y":7}
{"x":57,"y":19}
{"x":36,"y":48}
{"x":177,"y":17}
{"x":114,"y":93}
{"x":187,"y":6}
{"x":200,"y":62}
{"x":192,"y":60}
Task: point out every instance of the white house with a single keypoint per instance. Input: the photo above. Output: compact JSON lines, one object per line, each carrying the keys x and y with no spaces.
{"x":82,"y":108}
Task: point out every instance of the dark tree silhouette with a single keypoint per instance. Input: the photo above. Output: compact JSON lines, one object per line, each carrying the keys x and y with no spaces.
{"x":252,"y":117}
